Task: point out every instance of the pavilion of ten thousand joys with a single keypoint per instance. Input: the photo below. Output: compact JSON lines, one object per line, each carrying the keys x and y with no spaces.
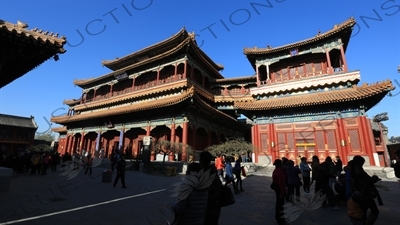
{"x":302,"y":100}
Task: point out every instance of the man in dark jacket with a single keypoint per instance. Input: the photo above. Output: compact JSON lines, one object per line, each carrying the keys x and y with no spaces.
{"x":214,"y":191}
{"x":121,"y":167}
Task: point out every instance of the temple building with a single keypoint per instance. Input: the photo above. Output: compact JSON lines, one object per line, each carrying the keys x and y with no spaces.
{"x":302,"y":101}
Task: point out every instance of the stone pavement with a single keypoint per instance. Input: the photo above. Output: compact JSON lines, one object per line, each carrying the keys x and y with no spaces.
{"x":85,"y":200}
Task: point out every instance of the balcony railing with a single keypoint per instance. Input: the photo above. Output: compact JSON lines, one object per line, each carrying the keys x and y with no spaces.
{"x":147,"y":85}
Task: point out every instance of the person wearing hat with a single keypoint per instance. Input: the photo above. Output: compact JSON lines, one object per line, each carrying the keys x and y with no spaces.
{"x":279,"y":186}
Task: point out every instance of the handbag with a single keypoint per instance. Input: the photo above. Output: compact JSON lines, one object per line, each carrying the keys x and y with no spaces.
{"x":227,"y":197}
{"x":243,"y":171}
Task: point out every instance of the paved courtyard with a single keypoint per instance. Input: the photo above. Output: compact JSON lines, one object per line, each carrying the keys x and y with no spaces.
{"x":85,"y":200}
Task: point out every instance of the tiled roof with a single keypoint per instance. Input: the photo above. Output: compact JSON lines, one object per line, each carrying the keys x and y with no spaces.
{"x":189,"y":41}
{"x":17,"y":121}
{"x":23,"y":50}
{"x":212,"y":109}
{"x":348,"y":24}
{"x":71,"y":102}
{"x":112,"y":63}
{"x":234,"y":79}
{"x":62,"y":129}
{"x":35,"y":34}
{"x":345,"y":95}
{"x":182,"y":45}
{"x":148,"y":105}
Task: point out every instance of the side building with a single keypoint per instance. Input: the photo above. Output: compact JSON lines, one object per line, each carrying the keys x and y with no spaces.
{"x":16,"y":133}
{"x":302,"y":101}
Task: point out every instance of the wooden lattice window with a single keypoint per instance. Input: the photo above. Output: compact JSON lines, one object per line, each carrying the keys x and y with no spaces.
{"x":331,"y":139}
{"x":284,"y":126}
{"x":351,"y":122}
{"x":264,"y":141}
{"x":320,"y":140}
{"x":290,"y":141}
{"x":354,"y":139}
{"x":281,"y":141}
{"x":303,"y":125}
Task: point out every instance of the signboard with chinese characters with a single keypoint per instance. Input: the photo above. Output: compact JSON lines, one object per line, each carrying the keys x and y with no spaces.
{"x":121,"y":76}
{"x":147,"y":140}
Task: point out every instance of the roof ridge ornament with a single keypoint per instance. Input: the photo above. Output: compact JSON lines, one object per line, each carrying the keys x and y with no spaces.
{"x":21,"y":25}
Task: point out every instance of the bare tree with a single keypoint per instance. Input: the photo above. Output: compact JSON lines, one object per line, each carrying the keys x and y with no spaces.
{"x":48,"y":136}
{"x":167,"y":148}
{"x":233,"y":146}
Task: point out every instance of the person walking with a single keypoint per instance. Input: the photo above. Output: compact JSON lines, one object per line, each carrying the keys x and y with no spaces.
{"x":121,"y":168}
{"x":229,"y":174}
{"x":89,"y":164}
{"x":323,"y":182}
{"x":220,"y":165}
{"x":237,"y":170}
{"x":305,"y":173}
{"x":279,"y":180}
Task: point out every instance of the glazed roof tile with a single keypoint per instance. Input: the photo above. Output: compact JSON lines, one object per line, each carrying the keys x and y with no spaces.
{"x":71,"y":102}
{"x":167,"y":101}
{"x":346,"y":95}
{"x":35,"y":34}
{"x":17,"y":121}
{"x":214,"y":110}
{"x":234,"y":79}
{"x":62,"y":129}
{"x":189,"y":41}
{"x":181,"y":34}
{"x":348,"y":24}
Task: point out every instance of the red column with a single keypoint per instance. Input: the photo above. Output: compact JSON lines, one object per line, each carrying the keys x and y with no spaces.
{"x":258,"y":78}
{"x":176,"y":71}
{"x":111,"y":89}
{"x":343,"y":142}
{"x":158,"y":76}
{"x":82,"y":141}
{"x":184,"y":69}
{"x":343,"y":59}
{"x":328,"y":58}
{"x":256,"y":144}
{"x":133,"y":84}
{"x":66,"y":143}
{"x":172,"y":156}
{"x":367,"y":143}
{"x":184,"y":141}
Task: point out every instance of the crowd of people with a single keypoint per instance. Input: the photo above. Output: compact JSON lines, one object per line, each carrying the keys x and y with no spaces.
{"x":349,"y":185}
{"x":32,"y":162}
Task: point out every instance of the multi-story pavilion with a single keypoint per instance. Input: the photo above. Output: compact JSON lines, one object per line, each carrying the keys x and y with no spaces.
{"x":303,"y":100}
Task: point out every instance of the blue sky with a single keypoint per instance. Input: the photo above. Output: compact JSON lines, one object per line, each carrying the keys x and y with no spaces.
{"x":122,"y":27}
